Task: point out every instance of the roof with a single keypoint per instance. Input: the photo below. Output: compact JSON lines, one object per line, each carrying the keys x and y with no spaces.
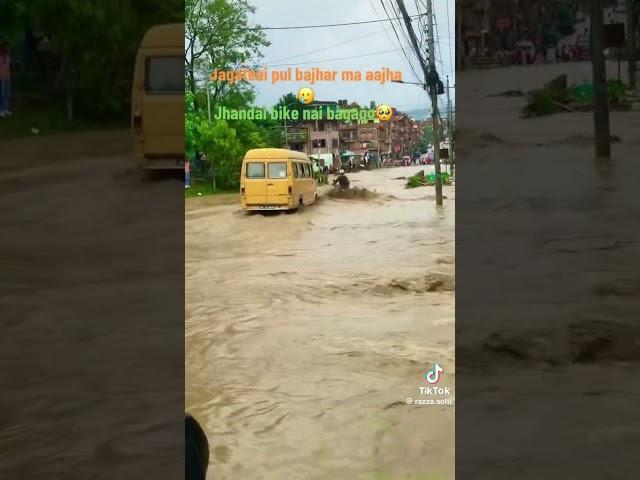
{"x":323,"y":102}
{"x":168,"y":35}
{"x":274,"y":153}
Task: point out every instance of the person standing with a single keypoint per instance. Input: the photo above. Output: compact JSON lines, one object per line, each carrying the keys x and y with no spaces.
{"x":187,"y":172}
{"x":5,"y":78}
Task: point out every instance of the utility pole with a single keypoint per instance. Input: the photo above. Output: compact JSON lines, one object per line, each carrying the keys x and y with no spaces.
{"x":631,"y":42}
{"x":208,"y":101}
{"x":286,"y":137}
{"x":433,"y":91}
{"x":208,"y":84}
{"x":601,"y":97}
{"x":377,"y":125}
{"x":432,"y":88}
{"x":450,"y":129}
{"x":459,"y":44}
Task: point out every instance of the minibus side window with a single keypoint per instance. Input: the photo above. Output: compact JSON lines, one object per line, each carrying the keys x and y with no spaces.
{"x":307,"y":171}
{"x":296,"y":169}
{"x":255,"y":170}
{"x":277,"y":170}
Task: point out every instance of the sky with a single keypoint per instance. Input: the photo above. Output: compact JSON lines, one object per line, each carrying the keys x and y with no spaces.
{"x":372,"y":46}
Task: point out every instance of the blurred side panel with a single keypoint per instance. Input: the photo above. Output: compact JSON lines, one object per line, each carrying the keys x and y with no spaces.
{"x":92,"y":244}
{"x":547,"y":247}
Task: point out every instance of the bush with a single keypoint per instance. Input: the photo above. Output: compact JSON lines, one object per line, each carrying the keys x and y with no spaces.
{"x":616,"y":90}
{"x":584,"y":93}
{"x":542,"y":102}
{"x":415,"y":181}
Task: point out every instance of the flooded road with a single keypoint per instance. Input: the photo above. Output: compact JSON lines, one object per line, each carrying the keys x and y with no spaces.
{"x":88,"y":367}
{"x":306,"y":333}
{"x":547,"y":319}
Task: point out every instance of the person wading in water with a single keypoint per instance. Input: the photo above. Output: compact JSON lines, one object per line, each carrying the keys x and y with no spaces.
{"x":342,"y":181}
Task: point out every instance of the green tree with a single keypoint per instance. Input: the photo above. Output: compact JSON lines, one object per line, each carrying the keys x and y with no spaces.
{"x":95,"y":44}
{"x":224,"y":152}
{"x":219,"y":36}
{"x":224,"y":143}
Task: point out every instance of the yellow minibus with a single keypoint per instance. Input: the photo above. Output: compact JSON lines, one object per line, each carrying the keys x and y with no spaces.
{"x":276,"y":179}
{"x":157,"y":99}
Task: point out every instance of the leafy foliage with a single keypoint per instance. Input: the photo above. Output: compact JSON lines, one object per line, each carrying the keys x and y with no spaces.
{"x":95,"y":44}
{"x":219,"y":36}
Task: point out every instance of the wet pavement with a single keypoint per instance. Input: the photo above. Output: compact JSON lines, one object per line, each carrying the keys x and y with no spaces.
{"x":307,"y":332}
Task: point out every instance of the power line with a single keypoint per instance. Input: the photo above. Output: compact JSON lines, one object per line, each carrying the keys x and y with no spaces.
{"x":397,"y":13}
{"x":391,"y":41}
{"x":399,"y":41}
{"x":436,"y":33}
{"x":449,"y":33}
{"x":439,"y":38}
{"x":325,"y":48}
{"x":335,"y":59}
{"x":329,"y":25}
{"x":420,"y":24}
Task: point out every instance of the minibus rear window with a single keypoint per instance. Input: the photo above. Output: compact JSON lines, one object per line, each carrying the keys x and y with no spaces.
{"x":277,"y":170}
{"x":255,"y":170}
{"x":164,"y":75}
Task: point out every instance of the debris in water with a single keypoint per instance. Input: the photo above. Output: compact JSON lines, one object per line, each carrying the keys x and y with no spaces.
{"x":353,"y":193}
{"x":508,"y":93}
{"x":422,"y":180}
{"x":428,"y":283}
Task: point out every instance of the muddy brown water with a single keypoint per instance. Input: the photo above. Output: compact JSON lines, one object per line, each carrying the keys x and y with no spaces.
{"x":547,"y":328}
{"x":306,"y":333}
{"x":82,"y":280}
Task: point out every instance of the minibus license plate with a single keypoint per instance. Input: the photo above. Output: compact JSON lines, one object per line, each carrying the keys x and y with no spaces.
{"x":268,"y":207}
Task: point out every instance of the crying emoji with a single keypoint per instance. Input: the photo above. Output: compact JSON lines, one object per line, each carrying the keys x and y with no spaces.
{"x":305,"y":95}
{"x":384,"y":112}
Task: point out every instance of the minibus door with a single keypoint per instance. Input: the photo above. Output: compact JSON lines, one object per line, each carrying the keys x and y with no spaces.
{"x":255,"y":183}
{"x":277,"y":183}
{"x":163,"y":106}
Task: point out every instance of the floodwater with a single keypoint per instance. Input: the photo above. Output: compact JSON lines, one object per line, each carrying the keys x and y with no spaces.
{"x":88,"y":311}
{"x":307,"y":332}
{"x":551,"y":374}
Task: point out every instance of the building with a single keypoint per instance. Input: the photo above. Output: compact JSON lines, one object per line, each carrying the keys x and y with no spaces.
{"x":323,"y":136}
{"x":404,"y":136}
{"x":296,"y":136}
{"x":381,"y":140}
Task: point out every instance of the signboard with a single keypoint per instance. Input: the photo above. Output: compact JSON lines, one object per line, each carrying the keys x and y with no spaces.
{"x":614,"y":35}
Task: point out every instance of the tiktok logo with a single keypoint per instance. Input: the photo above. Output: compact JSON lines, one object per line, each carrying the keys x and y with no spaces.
{"x":433,"y":375}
